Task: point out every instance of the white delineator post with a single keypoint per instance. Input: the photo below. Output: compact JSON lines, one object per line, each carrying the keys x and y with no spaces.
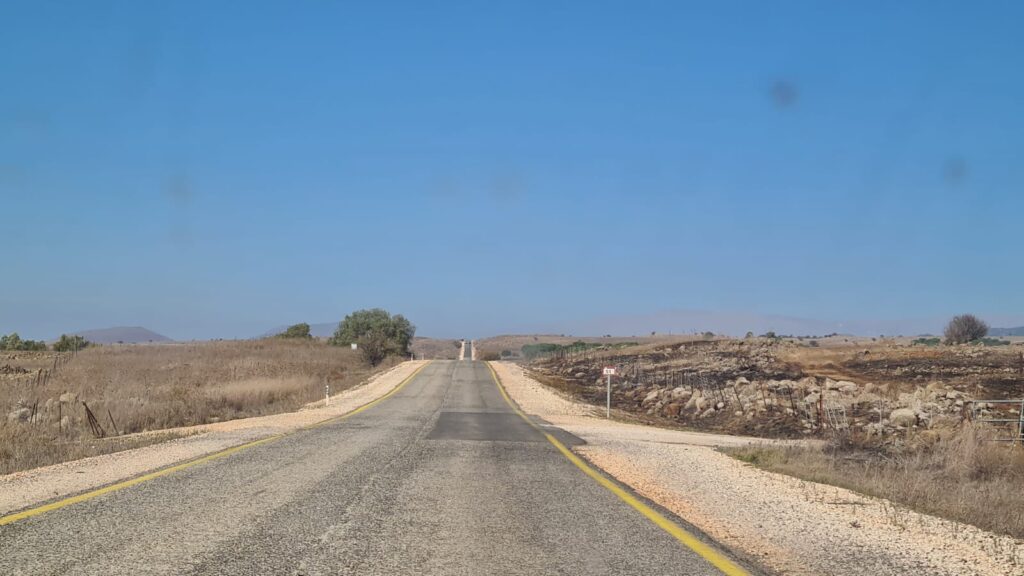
{"x":609,"y":371}
{"x":327,"y":394}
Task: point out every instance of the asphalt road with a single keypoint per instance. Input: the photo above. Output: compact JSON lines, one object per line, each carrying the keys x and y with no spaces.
{"x":440,"y":478}
{"x":468,"y":354}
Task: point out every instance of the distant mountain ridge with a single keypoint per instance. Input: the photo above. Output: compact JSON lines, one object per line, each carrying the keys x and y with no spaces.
{"x":997,"y":332}
{"x":122,"y":335}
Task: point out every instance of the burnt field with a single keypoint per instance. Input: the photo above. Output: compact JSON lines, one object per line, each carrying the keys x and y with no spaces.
{"x":787,"y":389}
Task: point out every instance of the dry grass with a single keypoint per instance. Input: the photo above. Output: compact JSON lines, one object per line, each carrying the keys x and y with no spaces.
{"x":960,"y":476}
{"x":155,"y":387}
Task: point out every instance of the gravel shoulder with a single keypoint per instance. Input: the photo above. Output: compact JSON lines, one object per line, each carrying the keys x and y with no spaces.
{"x":789,"y":525}
{"x":23,"y":489}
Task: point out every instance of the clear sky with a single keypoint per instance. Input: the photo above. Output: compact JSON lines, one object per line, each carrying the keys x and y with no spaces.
{"x":215,"y":169}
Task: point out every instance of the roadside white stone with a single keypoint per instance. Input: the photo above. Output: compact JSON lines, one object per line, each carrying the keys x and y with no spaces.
{"x":903,"y":417}
{"x":651,"y":396}
{"x":19,"y":415}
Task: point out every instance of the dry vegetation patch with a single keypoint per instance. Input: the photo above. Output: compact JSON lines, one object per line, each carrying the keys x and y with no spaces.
{"x":137,"y":388}
{"x":959,"y":476}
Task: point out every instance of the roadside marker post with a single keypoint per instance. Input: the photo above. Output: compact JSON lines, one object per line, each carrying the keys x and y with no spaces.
{"x":609,"y":371}
{"x":327,"y":394}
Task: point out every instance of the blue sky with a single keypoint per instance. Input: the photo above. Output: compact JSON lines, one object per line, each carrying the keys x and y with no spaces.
{"x":216,"y":170}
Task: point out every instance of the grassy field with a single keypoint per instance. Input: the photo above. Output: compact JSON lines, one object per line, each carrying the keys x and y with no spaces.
{"x":958,"y":476}
{"x":155,"y":387}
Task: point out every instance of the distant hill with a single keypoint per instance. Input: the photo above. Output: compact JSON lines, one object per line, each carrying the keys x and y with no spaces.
{"x":997,"y":332}
{"x":122,"y":335}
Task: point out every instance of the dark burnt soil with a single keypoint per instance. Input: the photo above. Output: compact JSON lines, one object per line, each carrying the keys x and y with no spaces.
{"x":981,"y":373}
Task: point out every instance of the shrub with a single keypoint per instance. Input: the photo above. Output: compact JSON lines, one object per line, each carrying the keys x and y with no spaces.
{"x":377,"y":333}
{"x":965,"y":328}
{"x":296,"y":331}
{"x":70,"y":343}
{"x":13,"y":342}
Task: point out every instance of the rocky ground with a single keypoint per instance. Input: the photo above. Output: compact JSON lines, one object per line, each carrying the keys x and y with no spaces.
{"x":786,"y":389}
{"x":788,"y":525}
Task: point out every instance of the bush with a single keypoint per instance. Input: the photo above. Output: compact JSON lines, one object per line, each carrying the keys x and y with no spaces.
{"x":926,"y":342}
{"x":70,"y":343}
{"x":296,"y":331}
{"x":13,"y":342}
{"x":376,"y":332}
{"x":965,"y":328}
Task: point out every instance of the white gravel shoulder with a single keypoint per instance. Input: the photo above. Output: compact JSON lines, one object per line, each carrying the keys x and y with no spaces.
{"x":23,"y":489}
{"x":786,"y":524}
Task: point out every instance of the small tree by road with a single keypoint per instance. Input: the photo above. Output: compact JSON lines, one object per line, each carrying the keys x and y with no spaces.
{"x":377,"y":333}
{"x":965,"y":328}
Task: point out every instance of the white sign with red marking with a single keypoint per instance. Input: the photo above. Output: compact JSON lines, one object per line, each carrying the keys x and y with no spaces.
{"x":609,"y":371}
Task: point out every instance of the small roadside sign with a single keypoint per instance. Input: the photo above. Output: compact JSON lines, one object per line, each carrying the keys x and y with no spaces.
{"x":609,"y":371}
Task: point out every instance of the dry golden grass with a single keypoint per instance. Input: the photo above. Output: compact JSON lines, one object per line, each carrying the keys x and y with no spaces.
{"x":960,"y":476}
{"x":155,"y":387}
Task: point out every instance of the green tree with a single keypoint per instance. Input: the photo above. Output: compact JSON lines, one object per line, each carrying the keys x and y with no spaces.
{"x":376,"y":332}
{"x":13,"y":342}
{"x":300,"y":330}
{"x":70,"y":343}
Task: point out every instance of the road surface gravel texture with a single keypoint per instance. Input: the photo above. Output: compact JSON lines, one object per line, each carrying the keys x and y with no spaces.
{"x":442,"y":477}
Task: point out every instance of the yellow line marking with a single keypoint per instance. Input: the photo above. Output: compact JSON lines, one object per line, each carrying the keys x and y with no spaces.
{"x":10,"y":518}
{"x":714,"y":557}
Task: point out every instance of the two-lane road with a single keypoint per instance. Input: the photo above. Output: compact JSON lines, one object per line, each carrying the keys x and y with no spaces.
{"x":443,"y":477}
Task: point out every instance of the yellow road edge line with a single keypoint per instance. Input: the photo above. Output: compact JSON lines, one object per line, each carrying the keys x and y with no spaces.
{"x":715,"y":558}
{"x":11,"y":518}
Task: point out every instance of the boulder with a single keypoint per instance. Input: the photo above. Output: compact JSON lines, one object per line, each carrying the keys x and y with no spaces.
{"x":680,"y":393}
{"x":651,"y":396}
{"x":19,"y":415}
{"x":846,"y":387}
{"x":672,"y":409}
{"x":903,"y":417}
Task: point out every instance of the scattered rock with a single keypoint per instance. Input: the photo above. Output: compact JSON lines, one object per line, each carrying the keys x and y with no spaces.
{"x":19,"y":415}
{"x":903,"y":417}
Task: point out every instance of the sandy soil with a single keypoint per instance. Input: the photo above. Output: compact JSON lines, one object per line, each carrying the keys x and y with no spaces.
{"x":24,"y":489}
{"x":785,"y":524}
